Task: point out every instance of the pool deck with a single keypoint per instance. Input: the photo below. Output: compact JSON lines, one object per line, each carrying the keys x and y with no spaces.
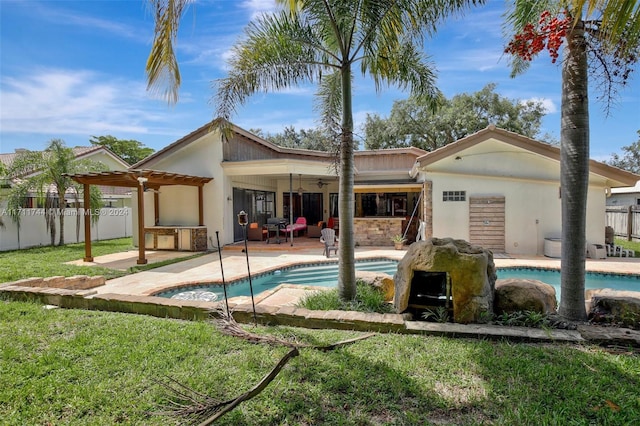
{"x":263,"y":257}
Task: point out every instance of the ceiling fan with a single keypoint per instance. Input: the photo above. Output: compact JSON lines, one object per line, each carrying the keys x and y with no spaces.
{"x":321,"y":183}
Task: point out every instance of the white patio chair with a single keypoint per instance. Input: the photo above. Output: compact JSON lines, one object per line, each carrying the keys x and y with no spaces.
{"x":329,"y":240}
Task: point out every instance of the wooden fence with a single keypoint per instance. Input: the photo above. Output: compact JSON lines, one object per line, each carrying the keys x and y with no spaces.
{"x":625,"y":221}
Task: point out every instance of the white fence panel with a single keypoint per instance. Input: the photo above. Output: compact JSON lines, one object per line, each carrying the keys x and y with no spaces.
{"x":114,"y":222}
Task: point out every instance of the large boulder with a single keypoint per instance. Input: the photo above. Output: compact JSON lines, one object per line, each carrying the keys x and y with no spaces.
{"x":613,"y":306}
{"x":514,"y":294}
{"x":470,"y":269}
{"x":379,"y":280}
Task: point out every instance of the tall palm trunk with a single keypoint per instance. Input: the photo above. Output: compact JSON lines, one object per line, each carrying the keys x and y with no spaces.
{"x":347,"y":268}
{"x":574,"y":174}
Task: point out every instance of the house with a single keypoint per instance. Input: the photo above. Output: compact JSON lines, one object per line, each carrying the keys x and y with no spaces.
{"x":112,"y":196}
{"x":502,"y":191}
{"x":32,"y":230}
{"x":627,"y":196}
{"x":266,"y":181}
{"x":494,"y":188}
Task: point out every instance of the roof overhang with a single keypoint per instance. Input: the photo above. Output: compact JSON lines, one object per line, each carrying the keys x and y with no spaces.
{"x":278,"y":167}
{"x":612,"y":176}
{"x":387,"y":187}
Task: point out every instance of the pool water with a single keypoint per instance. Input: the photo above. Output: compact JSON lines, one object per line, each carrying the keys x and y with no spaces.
{"x":326,"y":275}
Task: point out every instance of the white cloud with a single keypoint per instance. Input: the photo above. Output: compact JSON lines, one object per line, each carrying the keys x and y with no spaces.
{"x":548,"y":104}
{"x":68,"y":102}
{"x":61,"y":16}
{"x":259,"y":7}
{"x":472,"y":60}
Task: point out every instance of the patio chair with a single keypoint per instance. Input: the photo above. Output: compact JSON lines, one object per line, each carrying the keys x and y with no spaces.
{"x":329,"y":240}
{"x":256,"y":233}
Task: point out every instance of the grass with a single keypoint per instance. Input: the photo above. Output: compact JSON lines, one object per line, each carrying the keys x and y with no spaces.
{"x":76,"y":367}
{"x":50,"y":261}
{"x":368,"y":299}
{"x":633,"y":245}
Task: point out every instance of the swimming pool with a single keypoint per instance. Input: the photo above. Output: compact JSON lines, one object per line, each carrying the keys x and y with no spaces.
{"x":326,"y":275}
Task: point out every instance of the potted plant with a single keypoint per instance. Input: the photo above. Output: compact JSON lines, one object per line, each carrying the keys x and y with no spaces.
{"x":398,"y":241}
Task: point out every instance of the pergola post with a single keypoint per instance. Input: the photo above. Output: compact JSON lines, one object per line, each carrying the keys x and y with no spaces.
{"x":200,"y":206}
{"x":87,"y":223}
{"x":141,"y":242}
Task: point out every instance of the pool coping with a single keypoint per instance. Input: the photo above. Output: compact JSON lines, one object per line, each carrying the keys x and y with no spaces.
{"x":207,"y":269}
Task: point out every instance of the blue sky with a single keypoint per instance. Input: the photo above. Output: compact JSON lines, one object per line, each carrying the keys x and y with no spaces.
{"x":76,"y":69}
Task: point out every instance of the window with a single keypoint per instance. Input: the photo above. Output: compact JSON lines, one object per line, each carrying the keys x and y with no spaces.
{"x":454,"y":195}
{"x":385,"y":204}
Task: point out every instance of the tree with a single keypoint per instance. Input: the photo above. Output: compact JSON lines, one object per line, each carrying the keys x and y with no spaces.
{"x":314,"y":139}
{"x":46,"y":174}
{"x":597,"y":43}
{"x":129,"y":150}
{"x":630,"y":161}
{"x":3,"y":176}
{"x":320,"y":41}
{"x":412,"y":123}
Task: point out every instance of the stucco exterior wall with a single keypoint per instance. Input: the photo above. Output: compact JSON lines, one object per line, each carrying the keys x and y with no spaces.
{"x":107,"y":160}
{"x":530,"y":185}
{"x":532,"y":210}
{"x":200,"y":158}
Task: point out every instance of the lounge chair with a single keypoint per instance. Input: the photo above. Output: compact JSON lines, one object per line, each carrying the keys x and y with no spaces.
{"x":300,"y":226}
{"x":329,"y":240}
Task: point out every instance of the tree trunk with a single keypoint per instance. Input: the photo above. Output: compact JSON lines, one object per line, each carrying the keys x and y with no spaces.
{"x":62,"y":204}
{"x":346,"y":265}
{"x":574,"y":175}
{"x":61,"y":212}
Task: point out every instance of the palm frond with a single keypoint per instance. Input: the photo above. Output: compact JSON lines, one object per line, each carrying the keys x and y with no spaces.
{"x":620,"y":19}
{"x":278,"y":52}
{"x":163,"y":72}
{"x":328,"y":101}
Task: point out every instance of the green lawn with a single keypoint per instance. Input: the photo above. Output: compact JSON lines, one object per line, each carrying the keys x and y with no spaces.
{"x":77,"y":367}
{"x":49,"y":261}
{"x":633,"y":245}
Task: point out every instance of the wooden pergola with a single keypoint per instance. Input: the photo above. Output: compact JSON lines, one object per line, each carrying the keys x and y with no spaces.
{"x":142,"y":180}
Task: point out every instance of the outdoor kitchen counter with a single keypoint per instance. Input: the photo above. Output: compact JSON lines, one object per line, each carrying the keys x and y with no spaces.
{"x":376,"y":230}
{"x":177,"y":237}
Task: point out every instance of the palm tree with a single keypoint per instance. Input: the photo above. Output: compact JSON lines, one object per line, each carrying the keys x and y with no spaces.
{"x":321,"y":41}
{"x":620,"y":19}
{"x":606,"y":43}
{"x":46,"y":174}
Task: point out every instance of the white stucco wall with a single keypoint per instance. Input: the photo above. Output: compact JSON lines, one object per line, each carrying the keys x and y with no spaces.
{"x":179,"y":204}
{"x":528,"y":182}
{"x":532,"y":210}
{"x":107,"y":160}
